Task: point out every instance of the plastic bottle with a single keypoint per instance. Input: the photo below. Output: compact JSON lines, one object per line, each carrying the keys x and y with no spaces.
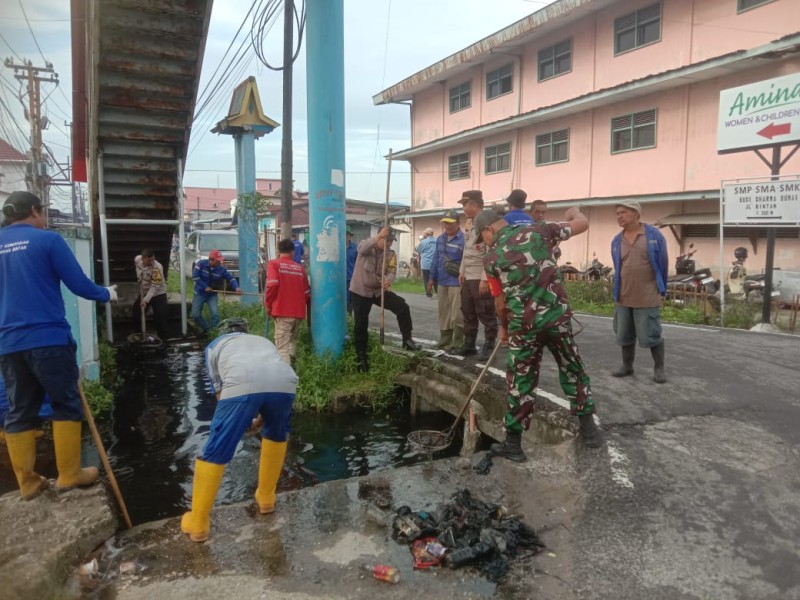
{"x":384,"y":573}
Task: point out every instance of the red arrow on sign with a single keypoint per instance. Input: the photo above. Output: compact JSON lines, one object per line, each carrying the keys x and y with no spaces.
{"x":772,"y":130}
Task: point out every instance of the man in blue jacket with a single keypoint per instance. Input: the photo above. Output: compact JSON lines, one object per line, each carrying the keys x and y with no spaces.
{"x":641,"y":266}
{"x":37,"y":350}
{"x":426,"y":249}
{"x":210,"y":277}
{"x":445,"y":269}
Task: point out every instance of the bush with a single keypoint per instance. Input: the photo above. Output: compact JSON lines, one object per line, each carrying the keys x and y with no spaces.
{"x":323,"y":377}
{"x":593,"y":297}
{"x":98,"y":397}
{"x":740,"y":314}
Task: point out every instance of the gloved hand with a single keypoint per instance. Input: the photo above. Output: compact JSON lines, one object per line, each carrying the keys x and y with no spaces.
{"x":112,"y":290}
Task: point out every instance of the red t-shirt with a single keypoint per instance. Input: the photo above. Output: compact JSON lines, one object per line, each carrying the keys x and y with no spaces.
{"x":287,"y":288}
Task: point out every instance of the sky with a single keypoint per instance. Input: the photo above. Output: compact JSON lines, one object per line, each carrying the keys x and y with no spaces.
{"x":385,"y":42}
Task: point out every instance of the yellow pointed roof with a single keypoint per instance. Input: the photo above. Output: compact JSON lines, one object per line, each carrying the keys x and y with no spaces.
{"x":245,"y":112}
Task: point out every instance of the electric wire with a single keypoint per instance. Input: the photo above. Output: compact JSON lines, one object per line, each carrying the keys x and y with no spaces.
{"x":263,"y":23}
{"x":33,"y":35}
{"x":14,"y":52}
{"x":202,"y":94}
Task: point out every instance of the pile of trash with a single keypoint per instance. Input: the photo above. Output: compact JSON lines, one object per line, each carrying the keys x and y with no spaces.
{"x":465,"y":531}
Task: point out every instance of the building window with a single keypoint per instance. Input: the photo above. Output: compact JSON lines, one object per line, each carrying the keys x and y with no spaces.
{"x":555,"y":60}
{"x":460,"y":97}
{"x":637,"y":29}
{"x":498,"y":158}
{"x":458,"y":166}
{"x":633,"y":132}
{"x":552,"y":147}
{"x":500,"y":81}
{"x":742,"y":5}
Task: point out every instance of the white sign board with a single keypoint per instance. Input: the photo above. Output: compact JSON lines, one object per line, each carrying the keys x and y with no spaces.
{"x":762,"y":202}
{"x":760,"y":114}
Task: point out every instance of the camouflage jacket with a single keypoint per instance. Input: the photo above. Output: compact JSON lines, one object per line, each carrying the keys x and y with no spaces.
{"x":521,"y":260}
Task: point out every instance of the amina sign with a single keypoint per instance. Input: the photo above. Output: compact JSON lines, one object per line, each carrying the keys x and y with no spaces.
{"x":760,"y":114}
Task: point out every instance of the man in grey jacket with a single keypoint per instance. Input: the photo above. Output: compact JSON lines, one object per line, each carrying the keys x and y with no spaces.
{"x":369,"y":274}
{"x":477,"y":304}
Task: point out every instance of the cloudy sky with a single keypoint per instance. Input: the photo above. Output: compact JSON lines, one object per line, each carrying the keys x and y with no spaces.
{"x":385,"y":42}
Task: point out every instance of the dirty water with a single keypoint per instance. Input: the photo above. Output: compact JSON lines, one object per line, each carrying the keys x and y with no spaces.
{"x":161,"y":421}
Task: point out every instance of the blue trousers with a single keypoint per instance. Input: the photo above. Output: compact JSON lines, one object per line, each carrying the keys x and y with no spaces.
{"x":29,"y":375}
{"x":198,"y":302}
{"x":234,"y":415}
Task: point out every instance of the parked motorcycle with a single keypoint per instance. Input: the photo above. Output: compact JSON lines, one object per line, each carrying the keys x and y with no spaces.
{"x":688,"y":278}
{"x":739,"y":284}
{"x":596,"y":271}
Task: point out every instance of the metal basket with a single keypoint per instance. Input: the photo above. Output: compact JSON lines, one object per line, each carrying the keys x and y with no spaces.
{"x":428,"y":441}
{"x":146,"y":342}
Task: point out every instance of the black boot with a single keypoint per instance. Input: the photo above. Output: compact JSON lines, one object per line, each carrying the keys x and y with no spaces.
{"x":363,"y":362}
{"x":487,"y":349}
{"x":658,"y":363}
{"x":628,"y":354}
{"x":468,"y":347}
{"x":410,"y":344}
{"x":511,"y":448}
{"x":592,"y":438}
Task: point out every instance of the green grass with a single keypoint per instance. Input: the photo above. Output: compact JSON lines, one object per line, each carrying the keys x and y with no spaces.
{"x":408,"y":285}
{"x":322,"y":378}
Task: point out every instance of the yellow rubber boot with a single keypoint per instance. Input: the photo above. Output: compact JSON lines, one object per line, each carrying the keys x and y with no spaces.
{"x":67,"y":440}
{"x":197,"y":522}
{"x":22,"y":451}
{"x":269,"y":470}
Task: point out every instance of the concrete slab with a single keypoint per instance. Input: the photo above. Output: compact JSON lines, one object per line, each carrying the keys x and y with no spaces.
{"x":316,"y":543}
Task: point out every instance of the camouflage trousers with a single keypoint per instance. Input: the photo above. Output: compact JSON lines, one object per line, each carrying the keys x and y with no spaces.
{"x":523,"y":360}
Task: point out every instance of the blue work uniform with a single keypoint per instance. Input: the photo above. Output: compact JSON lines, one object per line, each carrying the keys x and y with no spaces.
{"x":37,"y":350}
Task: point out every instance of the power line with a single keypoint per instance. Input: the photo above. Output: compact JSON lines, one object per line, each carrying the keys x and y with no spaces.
{"x":10,"y":47}
{"x":35,"y":41}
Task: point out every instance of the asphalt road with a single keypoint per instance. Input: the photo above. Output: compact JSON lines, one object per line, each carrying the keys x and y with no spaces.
{"x":696,"y":493}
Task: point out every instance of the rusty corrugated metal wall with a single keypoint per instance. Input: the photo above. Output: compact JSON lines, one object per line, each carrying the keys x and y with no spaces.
{"x":145,"y":65}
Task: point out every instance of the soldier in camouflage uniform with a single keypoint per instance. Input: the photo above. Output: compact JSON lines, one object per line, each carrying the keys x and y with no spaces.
{"x":534,"y":311}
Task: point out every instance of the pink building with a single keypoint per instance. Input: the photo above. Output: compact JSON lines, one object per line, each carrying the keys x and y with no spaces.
{"x":593,"y":101}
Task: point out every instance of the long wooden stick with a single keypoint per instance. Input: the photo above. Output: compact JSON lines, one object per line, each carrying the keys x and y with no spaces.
{"x":104,"y":458}
{"x":385,"y":244}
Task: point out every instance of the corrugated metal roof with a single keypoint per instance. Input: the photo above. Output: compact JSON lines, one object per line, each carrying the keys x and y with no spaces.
{"x":517,"y":34}
{"x":146,"y":71}
{"x":692,"y":219}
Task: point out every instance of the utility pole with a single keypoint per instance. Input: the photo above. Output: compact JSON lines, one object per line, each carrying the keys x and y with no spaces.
{"x":27,"y":72}
{"x":286,"y":132}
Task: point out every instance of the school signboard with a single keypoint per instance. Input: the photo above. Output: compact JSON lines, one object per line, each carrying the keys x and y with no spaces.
{"x":759,"y":115}
{"x":762,"y":202}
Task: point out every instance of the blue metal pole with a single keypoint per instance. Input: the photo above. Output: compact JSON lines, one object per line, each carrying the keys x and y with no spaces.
{"x":325,"y":90}
{"x":248,"y":231}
